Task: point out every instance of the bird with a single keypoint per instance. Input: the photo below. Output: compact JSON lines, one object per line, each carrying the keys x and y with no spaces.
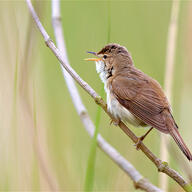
{"x":133,"y":96}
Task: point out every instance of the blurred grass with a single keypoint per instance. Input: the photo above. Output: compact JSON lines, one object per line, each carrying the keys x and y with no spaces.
{"x":35,"y":173}
{"x":141,"y":26}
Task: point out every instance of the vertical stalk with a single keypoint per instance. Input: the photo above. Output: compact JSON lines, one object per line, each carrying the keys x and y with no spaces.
{"x":89,"y":179}
{"x":169,"y":73}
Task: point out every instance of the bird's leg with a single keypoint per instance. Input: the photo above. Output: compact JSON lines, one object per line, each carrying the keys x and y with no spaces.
{"x":140,"y":139}
{"x":115,"y":122}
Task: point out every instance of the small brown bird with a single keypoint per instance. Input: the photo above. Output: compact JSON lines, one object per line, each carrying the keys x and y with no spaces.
{"x":134,"y":97}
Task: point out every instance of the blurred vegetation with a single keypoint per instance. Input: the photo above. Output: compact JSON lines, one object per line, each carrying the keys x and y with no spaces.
{"x":43,"y":144}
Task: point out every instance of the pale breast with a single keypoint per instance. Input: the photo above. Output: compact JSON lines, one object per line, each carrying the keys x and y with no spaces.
{"x":113,"y":105}
{"x":120,"y":112}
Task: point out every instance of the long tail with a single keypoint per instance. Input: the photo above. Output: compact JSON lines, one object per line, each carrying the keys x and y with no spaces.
{"x":178,"y":139}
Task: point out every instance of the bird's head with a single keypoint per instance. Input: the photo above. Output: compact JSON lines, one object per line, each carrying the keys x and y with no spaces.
{"x":112,"y":56}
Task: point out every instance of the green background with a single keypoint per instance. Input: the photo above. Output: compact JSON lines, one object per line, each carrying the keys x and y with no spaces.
{"x":41,"y":136}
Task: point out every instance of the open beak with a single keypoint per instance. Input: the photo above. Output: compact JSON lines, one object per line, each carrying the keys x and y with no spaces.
{"x":93,"y":59}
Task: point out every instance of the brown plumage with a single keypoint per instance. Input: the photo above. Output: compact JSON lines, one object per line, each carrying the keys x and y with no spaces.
{"x":134,"y":96}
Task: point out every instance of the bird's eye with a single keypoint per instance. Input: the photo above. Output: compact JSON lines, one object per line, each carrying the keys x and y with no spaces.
{"x":104,"y":56}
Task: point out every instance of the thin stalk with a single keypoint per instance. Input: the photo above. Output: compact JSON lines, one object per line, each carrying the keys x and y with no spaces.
{"x":15,"y":82}
{"x":42,"y":160}
{"x":109,"y":22}
{"x":14,"y":112}
{"x":170,"y":57}
{"x":90,"y":172}
{"x":34,"y":119}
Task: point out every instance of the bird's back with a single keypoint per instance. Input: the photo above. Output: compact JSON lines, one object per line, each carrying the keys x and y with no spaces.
{"x":142,"y":96}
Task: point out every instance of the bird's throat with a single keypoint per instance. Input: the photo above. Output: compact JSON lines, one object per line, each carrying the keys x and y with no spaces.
{"x":100,"y":68}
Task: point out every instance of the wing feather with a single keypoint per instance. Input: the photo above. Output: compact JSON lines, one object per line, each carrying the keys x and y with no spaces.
{"x":143,"y":97}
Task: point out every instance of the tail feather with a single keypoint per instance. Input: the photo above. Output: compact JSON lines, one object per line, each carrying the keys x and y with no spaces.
{"x":178,"y":139}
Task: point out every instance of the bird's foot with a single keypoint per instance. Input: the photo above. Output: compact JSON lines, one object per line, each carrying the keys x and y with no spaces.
{"x":115,"y":122}
{"x":139,"y":141}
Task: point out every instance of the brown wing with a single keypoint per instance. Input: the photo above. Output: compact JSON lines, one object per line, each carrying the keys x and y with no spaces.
{"x":142,"y":96}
